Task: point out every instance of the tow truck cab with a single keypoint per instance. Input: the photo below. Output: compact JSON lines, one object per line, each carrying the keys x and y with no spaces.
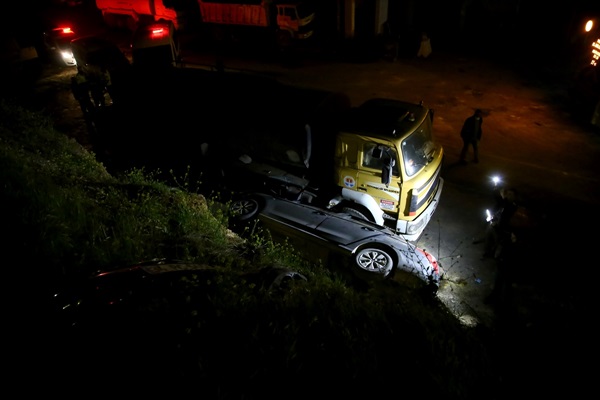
{"x":388,"y":162}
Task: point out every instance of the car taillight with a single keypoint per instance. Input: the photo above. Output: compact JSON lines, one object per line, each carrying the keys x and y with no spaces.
{"x":158,"y":32}
{"x":431,"y":259}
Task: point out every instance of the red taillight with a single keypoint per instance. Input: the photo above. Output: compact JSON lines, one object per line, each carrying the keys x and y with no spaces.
{"x":431,"y":259}
{"x":64,"y":31}
{"x":157,"y":33}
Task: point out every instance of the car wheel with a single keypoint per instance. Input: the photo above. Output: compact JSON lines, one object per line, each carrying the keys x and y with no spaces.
{"x":244,"y":209}
{"x":376,"y":260}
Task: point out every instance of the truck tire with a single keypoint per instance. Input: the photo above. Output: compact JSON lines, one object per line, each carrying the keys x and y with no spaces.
{"x":358,"y":212}
{"x":284,"y":39}
{"x":111,"y":20}
{"x":219,"y":34}
{"x":131,"y":24}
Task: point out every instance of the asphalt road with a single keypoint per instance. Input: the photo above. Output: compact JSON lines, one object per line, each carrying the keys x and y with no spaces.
{"x":530,"y":137}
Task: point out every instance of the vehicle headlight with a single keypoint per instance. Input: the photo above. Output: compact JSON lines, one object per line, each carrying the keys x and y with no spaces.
{"x":67,"y":55}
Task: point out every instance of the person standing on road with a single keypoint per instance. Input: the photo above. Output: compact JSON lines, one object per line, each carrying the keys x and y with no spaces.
{"x":499,"y":233}
{"x":471,"y":135}
{"x":424,"y":46}
{"x":500,"y":243}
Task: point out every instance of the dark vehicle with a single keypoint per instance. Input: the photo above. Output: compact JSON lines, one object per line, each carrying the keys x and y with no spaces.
{"x":83,"y":301}
{"x":57,"y":45}
{"x":372,"y":250}
{"x":136,"y":323}
{"x":101,"y":60}
{"x":93,"y":53}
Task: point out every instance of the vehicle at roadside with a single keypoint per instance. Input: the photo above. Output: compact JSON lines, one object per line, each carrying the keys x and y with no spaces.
{"x":379,"y":161}
{"x":133,"y":320}
{"x":368,"y":250}
{"x":268,"y":21}
{"x":82,"y":301}
{"x":104,"y":65}
{"x":155,"y":46}
{"x":95,"y":53}
{"x":133,"y":13}
{"x":284,"y":23}
{"x":57,"y":44}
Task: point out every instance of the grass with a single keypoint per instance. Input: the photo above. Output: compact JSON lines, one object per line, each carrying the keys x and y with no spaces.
{"x":66,"y":217}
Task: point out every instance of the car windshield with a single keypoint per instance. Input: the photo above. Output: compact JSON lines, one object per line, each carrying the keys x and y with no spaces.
{"x":417,"y":149}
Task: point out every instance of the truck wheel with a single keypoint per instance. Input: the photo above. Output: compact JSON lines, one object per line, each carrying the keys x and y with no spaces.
{"x":376,"y":260}
{"x":358,"y":213}
{"x":284,"y":39}
{"x":111,"y":20}
{"x":131,"y":24}
{"x":219,"y":34}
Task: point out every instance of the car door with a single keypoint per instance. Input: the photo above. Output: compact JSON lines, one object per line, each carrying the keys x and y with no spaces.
{"x":297,"y":224}
{"x":346,"y":230}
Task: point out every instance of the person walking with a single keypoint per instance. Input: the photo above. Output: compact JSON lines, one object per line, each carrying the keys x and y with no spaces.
{"x":471,"y":135}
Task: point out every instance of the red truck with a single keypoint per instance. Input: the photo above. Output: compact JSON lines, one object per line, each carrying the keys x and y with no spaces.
{"x":132,"y":13}
{"x":284,"y":21}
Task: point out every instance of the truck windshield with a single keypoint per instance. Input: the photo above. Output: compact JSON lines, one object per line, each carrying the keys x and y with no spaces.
{"x":303,"y":11}
{"x":417,"y":149}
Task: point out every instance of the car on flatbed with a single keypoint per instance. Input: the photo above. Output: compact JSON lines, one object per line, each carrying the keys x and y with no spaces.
{"x":368,"y":250}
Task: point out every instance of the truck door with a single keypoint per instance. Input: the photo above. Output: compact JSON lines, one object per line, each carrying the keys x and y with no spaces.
{"x":374,"y":160}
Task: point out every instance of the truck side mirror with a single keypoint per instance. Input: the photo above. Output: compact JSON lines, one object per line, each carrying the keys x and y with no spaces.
{"x":386,"y":170}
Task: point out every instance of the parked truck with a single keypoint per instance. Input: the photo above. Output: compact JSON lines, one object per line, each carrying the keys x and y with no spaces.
{"x":246,"y":132}
{"x":286,"y":21}
{"x":378,"y":161}
{"x":132,"y":13}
